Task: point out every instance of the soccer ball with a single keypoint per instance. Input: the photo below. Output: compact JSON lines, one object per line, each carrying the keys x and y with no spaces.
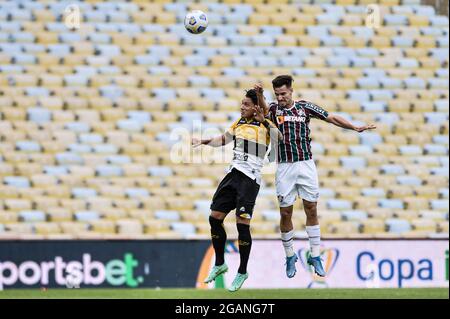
{"x":196,"y":21}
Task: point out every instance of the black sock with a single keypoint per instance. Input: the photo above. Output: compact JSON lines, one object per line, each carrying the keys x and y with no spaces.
{"x":219,"y":238}
{"x":245,"y":245}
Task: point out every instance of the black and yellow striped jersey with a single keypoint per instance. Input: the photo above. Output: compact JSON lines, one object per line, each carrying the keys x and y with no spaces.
{"x":251,"y":142}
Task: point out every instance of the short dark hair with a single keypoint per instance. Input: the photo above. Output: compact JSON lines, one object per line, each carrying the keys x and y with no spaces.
{"x":281,"y":80}
{"x":251,"y":94}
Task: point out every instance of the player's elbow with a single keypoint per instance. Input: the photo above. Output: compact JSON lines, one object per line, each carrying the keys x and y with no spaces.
{"x":331,"y":118}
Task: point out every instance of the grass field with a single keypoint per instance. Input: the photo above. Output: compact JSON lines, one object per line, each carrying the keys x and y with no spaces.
{"x":404,"y":293}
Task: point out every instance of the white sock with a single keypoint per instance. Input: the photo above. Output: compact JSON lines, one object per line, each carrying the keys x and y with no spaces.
{"x":314,"y":239}
{"x":288,"y":243}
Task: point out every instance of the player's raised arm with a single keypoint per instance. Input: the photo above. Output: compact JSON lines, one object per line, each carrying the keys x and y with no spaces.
{"x":341,"y":122}
{"x":272,"y":128}
{"x":261,"y":100}
{"x":217,"y":141}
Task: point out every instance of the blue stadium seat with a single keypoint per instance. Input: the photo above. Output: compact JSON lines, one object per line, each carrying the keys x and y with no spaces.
{"x":16,"y":181}
{"x":108,"y":170}
{"x":397,"y":225}
{"x":32,"y":216}
{"x":82,"y":192}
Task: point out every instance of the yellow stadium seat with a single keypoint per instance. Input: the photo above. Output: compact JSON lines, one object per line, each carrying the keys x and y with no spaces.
{"x":436,"y":180}
{"x":336,"y":150}
{"x":386,"y":32}
{"x":19,"y":228}
{"x":203,"y":105}
{"x":178,"y":82}
{"x":215,"y":42}
{"x":134,"y":170}
{"x":8,"y":217}
{"x":396,"y":139}
{"x":359,"y":182}
{"x":416,"y":203}
{"x":364,"y":202}
{"x":83,"y":48}
{"x":103,"y":226}
{"x":258,"y":19}
{"x":399,"y":105}
{"x":380,"y":42}
{"x":399,"y":191}
{"x":156,"y":226}
{"x":341,"y":31}
{"x":418,"y":138}
{"x":165,"y":18}
{"x":286,"y":40}
{"x":182,"y":51}
{"x":425,"y":42}
{"x":347,"y":193}
{"x":291,"y":28}
{"x":345,"y":227}
{"x":45,"y":37}
{"x":220,"y":61}
{"x":351,"y":74}
{"x":43,"y":15}
{"x":429,"y":63}
{"x":122,"y":60}
{"x":421,"y":224}
{"x":418,"y":21}
{"x":371,"y":226}
{"x":17,"y":205}
{"x":45,"y":228}
{"x":110,"y":213}
{"x":426,"y":191}
{"x":442,"y":227}
{"x":172,"y":61}
{"x":58,"y":214}
{"x":310,"y":42}
{"x":59,"y":191}
{"x":73,"y":227}
{"x":352,"y":20}
{"x":167,"y":39}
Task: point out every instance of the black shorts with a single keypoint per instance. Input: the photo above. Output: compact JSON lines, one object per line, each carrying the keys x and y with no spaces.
{"x":236,"y":191}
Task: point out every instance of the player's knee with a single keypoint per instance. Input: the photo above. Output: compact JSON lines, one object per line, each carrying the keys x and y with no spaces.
{"x":310,"y":208}
{"x":216,"y":224}
{"x":286,"y":213}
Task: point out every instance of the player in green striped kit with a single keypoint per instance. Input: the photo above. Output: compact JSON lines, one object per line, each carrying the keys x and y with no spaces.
{"x":296,"y":171}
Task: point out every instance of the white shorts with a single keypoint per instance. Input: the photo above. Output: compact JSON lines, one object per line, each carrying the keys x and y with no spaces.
{"x":297,"y":179}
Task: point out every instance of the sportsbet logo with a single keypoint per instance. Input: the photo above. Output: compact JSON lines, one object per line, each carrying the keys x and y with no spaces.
{"x":116,"y":272}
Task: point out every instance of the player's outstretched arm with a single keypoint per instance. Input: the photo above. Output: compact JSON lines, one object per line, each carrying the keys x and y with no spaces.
{"x":341,"y":122}
{"x":213,"y":142}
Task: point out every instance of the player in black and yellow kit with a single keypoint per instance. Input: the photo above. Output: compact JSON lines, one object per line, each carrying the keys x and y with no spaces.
{"x":252,"y":134}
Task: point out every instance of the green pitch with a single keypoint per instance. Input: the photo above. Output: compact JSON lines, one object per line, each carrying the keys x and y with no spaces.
{"x":404,"y":293}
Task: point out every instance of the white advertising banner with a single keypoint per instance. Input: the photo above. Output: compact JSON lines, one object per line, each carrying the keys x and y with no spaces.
{"x":349,"y":264}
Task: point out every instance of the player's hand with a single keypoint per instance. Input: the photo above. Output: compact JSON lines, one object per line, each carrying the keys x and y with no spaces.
{"x":196,"y":142}
{"x":259,"y":114}
{"x":364,"y":128}
{"x":259,"y":89}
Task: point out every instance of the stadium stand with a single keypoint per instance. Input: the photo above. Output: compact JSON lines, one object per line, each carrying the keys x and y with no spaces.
{"x":90,"y":118}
